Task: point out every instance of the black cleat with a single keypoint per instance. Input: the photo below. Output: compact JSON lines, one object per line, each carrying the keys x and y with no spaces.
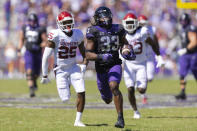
{"x":120,"y":123}
{"x":180,"y":96}
{"x":32,"y":92}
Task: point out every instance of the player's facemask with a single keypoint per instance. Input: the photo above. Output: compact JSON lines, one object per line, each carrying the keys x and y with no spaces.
{"x":66,"y":25}
{"x":130,"y":25}
{"x":65,"y":21}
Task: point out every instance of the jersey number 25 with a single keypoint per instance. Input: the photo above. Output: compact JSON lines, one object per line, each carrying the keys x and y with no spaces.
{"x":65,"y":52}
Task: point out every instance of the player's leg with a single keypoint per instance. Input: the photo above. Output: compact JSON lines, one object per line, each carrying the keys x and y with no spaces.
{"x":62,"y":84}
{"x":103,"y":86}
{"x":150,"y":69}
{"x":76,"y":79}
{"x":141,"y":83}
{"x":37,"y":61}
{"x":130,"y":78}
{"x":29,"y":72}
{"x":184,"y":62}
{"x":194,"y":66}
{"x":114,"y":75}
{"x":141,"y":78}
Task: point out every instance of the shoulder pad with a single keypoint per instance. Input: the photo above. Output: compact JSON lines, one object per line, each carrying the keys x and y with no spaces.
{"x":52,"y":34}
{"x":90,"y":32}
{"x":79,"y":35}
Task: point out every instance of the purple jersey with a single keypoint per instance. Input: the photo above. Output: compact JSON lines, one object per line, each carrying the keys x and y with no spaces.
{"x":106,"y":41}
{"x":33,"y":37}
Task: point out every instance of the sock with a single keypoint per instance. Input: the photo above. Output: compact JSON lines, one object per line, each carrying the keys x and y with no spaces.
{"x":183,"y":91}
{"x":78,"y":116}
{"x":120,"y":115}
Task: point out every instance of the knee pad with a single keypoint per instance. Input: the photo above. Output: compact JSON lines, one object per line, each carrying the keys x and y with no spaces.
{"x":131,"y":90}
{"x":142,"y":90}
{"x":107,"y":101}
{"x":30,"y":76}
{"x":116,"y":92}
{"x":182,"y":81}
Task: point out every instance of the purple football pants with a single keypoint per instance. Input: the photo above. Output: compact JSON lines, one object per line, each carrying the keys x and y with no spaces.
{"x":103,"y":79}
{"x":33,"y":61}
{"x":188,"y":62}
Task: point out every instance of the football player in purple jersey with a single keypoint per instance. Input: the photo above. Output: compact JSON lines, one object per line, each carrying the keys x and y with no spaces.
{"x":187,"y":53}
{"x":104,"y":40}
{"x":33,"y":37}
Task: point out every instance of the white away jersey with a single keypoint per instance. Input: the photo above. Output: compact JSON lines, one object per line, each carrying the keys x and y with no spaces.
{"x":137,"y":42}
{"x":65,"y":46}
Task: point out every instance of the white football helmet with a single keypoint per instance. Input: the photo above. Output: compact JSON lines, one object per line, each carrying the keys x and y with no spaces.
{"x":130,"y":22}
{"x":143,"y":20}
{"x":65,"y":21}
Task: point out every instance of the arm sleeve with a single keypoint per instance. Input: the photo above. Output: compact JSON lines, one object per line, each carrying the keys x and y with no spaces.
{"x":52,"y":36}
{"x":47,"y":53}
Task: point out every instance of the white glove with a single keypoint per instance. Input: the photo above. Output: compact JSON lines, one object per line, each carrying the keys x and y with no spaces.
{"x":182,"y":51}
{"x":45,"y":80}
{"x":160,"y":61}
{"x":83,"y":68}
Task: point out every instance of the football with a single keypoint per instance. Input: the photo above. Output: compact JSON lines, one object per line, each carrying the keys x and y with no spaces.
{"x":125,"y":50}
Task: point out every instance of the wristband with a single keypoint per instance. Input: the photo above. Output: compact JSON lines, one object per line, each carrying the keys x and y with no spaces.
{"x":99,"y":56}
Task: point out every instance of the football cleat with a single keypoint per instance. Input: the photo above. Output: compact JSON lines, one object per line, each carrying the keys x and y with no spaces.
{"x":79,"y":124}
{"x":120,"y":123}
{"x":136,"y":115}
{"x":32,"y":92}
{"x":180,"y":96}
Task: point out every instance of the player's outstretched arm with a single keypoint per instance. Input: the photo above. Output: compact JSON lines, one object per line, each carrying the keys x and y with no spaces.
{"x":21,"y":42}
{"x":192,"y":36}
{"x":82,"y":51}
{"x":155,"y":46}
{"x":47,"y":53}
{"x":90,"y":55}
{"x":44,"y":39}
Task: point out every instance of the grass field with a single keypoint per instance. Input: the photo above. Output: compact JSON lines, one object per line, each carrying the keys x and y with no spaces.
{"x":47,"y":113}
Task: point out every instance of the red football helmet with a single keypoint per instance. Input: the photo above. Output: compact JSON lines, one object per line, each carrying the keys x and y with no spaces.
{"x":130,"y":22}
{"x":143,"y":20}
{"x":65,"y":21}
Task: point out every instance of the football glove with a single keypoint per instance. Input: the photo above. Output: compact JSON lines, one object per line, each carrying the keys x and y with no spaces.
{"x":105,"y":57}
{"x":160,"y":61}
{"x":130,"y":56}
{"x":182,"y":51}
{"x":83,"y":68}
{"x":45,"y":80}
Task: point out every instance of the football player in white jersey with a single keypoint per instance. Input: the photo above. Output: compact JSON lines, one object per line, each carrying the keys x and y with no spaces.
{"x":150,"y":67}
{"x":63,"y":42}
{"x":135,"y":75}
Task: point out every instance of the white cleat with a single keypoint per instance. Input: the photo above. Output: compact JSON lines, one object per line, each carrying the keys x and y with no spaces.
{"x":136,"y":115}
{"x":79,"y":124}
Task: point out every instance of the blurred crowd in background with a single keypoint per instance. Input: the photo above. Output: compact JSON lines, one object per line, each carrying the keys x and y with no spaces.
{"x":162,"y":14}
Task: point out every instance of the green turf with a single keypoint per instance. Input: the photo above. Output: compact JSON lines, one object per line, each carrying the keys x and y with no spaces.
{"x":34,"y":119}
{"x":169,"y":119}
